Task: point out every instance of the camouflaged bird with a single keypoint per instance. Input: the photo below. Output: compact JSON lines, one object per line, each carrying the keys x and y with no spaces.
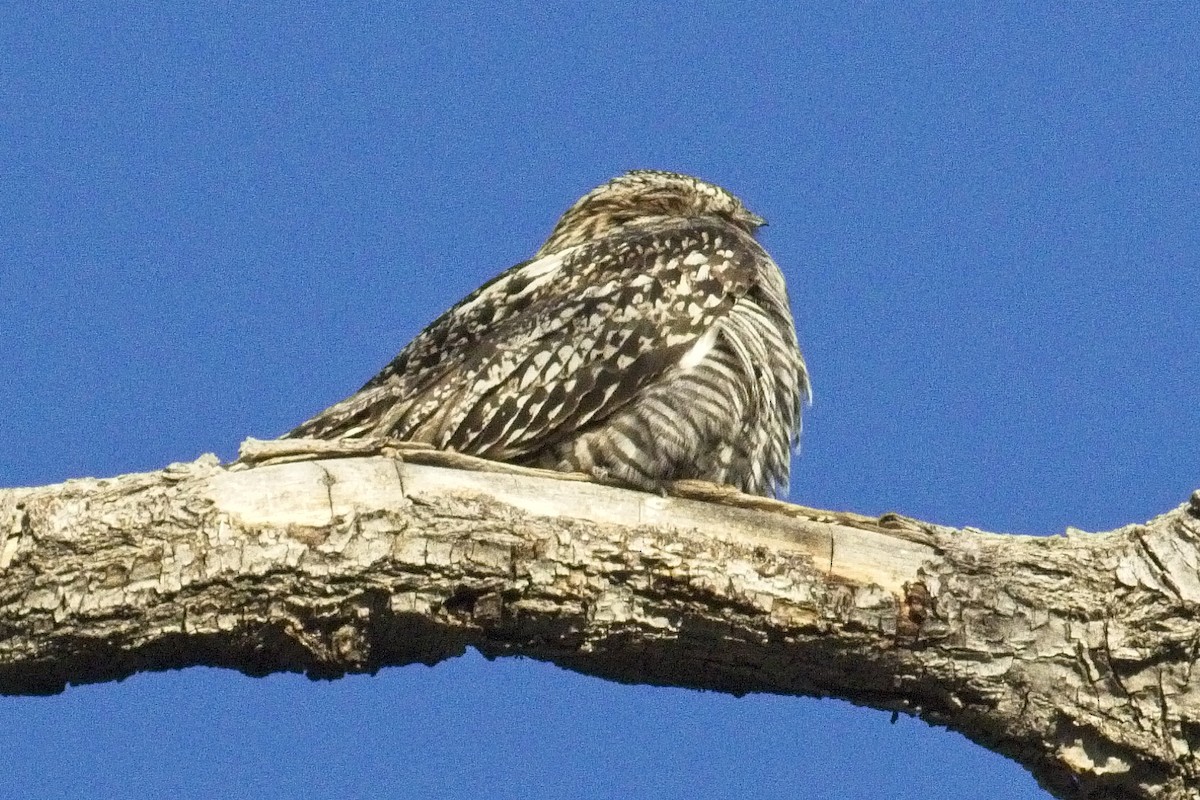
{"x":648,"y":340}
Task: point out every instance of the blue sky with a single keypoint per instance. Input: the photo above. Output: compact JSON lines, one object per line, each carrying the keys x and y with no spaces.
{"x":217,"y":219}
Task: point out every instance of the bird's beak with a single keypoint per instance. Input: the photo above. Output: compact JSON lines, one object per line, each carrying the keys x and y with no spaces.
{"x":755,"y":220}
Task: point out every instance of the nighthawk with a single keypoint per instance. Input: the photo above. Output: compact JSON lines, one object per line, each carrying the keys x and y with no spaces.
{"x":648,"y":340}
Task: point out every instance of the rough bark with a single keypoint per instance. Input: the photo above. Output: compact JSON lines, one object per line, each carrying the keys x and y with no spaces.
{"x":1073,"y":655}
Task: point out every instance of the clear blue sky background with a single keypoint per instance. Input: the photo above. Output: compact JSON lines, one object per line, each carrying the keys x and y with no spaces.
{"x":218,"y":218}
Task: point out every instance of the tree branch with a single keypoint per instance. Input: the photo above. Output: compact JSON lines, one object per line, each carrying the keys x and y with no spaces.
{"x":1073,"y":654}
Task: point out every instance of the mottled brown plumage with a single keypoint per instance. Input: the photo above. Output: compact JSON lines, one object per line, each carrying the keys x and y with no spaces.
{"x":648,"y":340}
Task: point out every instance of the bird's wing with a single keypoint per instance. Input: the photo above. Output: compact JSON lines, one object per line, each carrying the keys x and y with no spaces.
{"x":438,"y":349}
{"x":556,"y":343}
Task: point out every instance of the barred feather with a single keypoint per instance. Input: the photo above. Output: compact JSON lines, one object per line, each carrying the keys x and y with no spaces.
{"x":649,"y":340}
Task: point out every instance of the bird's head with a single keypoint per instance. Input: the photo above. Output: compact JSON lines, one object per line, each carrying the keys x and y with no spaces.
{"x":646,"y":195}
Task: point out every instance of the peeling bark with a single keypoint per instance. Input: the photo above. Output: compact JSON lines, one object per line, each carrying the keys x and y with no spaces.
{"x":1073,"y":655}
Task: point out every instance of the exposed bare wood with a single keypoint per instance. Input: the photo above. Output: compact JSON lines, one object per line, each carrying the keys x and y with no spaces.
{"x":1072,"y":654}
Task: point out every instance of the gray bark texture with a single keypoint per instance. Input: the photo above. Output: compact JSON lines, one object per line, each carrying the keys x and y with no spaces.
{"x":1074,"y":655}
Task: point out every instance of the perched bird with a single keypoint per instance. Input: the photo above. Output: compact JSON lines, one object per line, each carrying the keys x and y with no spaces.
{"x":648,"y":340}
